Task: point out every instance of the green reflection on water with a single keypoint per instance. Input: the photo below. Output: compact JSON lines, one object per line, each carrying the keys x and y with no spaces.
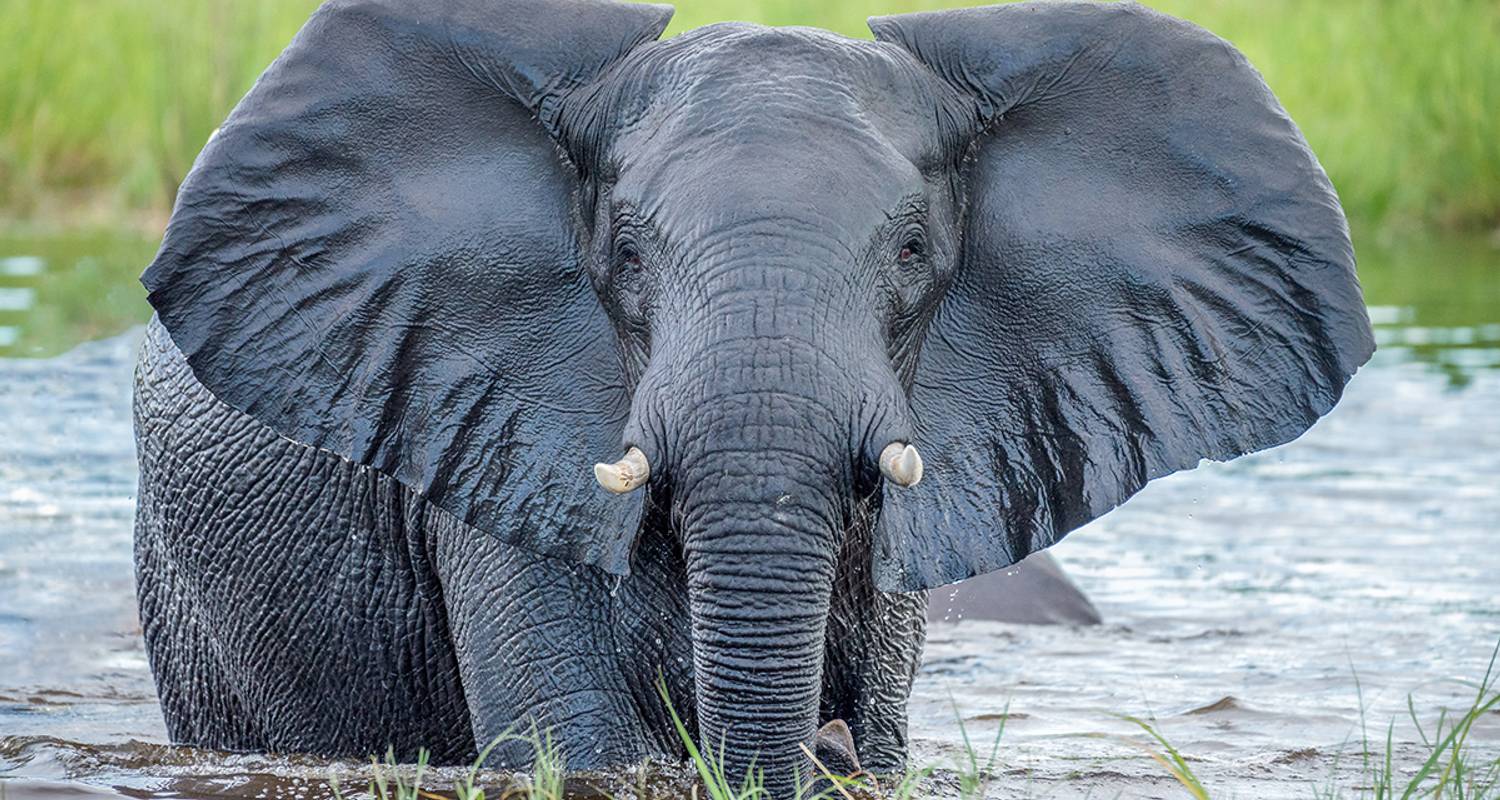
{"x":59,"y":290}
{"x":1436,"y":299}
{"x":1447,"y":282}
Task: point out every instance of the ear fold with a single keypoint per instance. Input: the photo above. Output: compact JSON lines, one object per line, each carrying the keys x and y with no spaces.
{"x":1155,"y":271}
{"x":376,"y":256}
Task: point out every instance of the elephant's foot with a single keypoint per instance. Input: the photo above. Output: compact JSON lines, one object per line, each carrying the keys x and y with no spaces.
{"x":834,"y":748}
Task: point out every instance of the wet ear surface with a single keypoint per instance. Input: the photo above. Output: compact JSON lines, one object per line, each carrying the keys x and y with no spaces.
{"x":376,"y":256}
{"x":1155,"y":271}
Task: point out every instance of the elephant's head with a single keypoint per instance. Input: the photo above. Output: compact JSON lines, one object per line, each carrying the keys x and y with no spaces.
{"x":1033,"y":255}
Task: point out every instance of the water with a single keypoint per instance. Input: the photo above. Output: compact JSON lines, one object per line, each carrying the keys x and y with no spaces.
{"x":1241,"y":599}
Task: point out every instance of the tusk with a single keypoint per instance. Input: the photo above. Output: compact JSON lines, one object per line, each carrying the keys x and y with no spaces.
{"x":901,"y":464}
{"x":625,"y":475}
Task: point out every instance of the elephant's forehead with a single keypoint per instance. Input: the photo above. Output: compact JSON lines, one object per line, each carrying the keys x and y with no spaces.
{"x":743,"y":184}
{"x":800,"y":85}
{"x":735,"y":56}
{"x":784,"y":120}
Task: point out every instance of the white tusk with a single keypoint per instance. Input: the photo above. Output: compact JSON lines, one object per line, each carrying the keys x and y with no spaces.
{"x":901,"y":464}
{"x":625,"y":475}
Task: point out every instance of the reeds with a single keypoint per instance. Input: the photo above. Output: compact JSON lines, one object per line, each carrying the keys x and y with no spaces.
{"x":1450,"y":766}
{"x":105,"y":103}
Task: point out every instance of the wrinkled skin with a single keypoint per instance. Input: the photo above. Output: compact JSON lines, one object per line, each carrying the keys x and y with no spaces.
{"x":295,"y":602}
{"x":434,"y":265}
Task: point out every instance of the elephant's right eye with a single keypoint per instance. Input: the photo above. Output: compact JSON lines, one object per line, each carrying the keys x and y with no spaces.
{"x":629,"y":272}
{"x":627,"y":255}
{"x":630,"y":259}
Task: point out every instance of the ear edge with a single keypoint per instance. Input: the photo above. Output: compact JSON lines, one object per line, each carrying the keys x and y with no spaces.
{"x":175,"y":301}
{"x":915,"y":33}
{"x":893,"y":574}
{"x":1348,"y":339}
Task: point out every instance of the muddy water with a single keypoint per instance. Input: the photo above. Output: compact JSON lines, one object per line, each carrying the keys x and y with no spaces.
{"x":1241,"y":600}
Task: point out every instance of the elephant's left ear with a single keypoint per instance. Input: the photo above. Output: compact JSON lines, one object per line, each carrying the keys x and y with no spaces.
{"x":376,"y":255}
{"x":1155,"y":271}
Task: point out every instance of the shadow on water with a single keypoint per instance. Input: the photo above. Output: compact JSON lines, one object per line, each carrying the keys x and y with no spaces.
{"x":1237,"y":598}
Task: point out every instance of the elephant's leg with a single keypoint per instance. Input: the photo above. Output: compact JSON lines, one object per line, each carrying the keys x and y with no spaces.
{"x":651,"y":609}
{"x":284,"y":593}
{"x":200,"y":702}
{"x":873,"y":652}
{"x":538,"y":641}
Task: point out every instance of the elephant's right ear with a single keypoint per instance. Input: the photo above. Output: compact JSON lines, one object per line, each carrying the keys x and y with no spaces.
{"x":1155,"y":271}
{"x":376,"y":256}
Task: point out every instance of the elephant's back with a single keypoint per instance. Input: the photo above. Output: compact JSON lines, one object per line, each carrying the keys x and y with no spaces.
{"x":1035,"y":591}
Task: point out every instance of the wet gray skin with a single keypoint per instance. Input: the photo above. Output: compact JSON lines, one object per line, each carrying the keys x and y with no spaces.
{"x":434,"y":266}
{"x":1034,"y":592}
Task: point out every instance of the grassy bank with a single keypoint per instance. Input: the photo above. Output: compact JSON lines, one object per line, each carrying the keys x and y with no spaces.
{"x":104,"y":103}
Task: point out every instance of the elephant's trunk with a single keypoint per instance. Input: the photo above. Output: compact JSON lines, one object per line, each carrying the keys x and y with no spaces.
{"x":760,"y":561}
{"x":760,"y":470}
{"x":763,"y":424}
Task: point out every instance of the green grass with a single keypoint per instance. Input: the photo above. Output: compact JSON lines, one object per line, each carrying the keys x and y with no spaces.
{"x":970,"y":775}
{"x":1449,"y":765}
{"x":547,"y":780}
{"x":104,"y":103}
{"x":709,"y":763}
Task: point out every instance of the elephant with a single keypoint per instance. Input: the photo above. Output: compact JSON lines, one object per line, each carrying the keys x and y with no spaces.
{"x":1035,"y":591}
{"x":511,"y":364}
